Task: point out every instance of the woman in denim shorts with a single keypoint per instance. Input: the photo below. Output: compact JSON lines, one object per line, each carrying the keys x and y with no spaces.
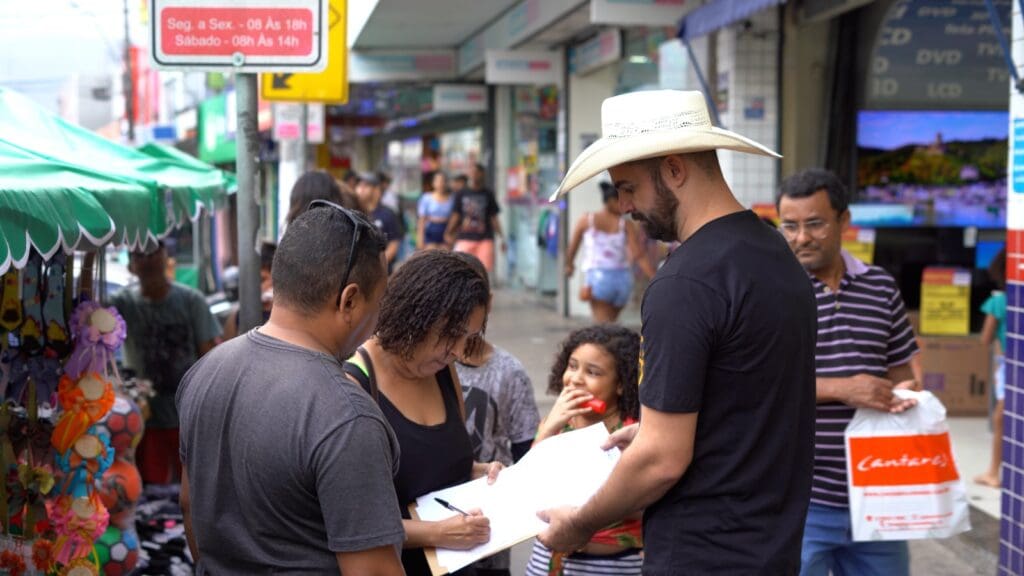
{"x":611,"y":244}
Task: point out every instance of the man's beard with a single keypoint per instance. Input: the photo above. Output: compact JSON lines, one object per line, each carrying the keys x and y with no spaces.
{"x":661,"y":224}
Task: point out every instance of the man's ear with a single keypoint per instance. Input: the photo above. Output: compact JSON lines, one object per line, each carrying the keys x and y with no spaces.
{"x":673,"y":170}
{"x":351,"y":297}
{"x":844,"y":221}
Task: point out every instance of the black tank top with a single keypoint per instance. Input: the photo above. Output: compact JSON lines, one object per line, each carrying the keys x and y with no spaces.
{"x":432,"y":457}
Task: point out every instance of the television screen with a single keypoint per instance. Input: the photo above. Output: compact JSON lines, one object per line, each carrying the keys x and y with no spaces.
{"x":949,"y":167}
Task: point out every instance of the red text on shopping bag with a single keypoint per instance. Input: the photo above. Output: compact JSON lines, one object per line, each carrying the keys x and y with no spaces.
{"x":901,"y":460}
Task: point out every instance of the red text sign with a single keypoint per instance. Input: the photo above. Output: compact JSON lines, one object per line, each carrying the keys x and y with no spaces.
{"x":901,"y":460}
{"x":242,"y":35}
{"x":225,"y":31}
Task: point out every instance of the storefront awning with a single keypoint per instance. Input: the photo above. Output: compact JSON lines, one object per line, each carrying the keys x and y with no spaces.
{"x":719,"y":14}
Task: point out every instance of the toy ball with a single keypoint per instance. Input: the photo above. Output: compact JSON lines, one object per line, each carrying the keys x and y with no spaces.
{"x":119,"y":490}
{"x":117,"y":551}
{"x":124,"y":425}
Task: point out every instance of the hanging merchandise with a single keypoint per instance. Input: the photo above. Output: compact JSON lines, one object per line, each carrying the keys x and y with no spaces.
{"x":121,"y":487}
{"x":98,"y":333}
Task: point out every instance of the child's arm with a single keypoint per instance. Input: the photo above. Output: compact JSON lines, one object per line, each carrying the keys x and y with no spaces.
{"x":568,"y":405}
{"x":988,"y":330}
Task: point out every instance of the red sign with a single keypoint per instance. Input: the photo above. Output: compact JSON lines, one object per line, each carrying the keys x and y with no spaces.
{"x":241,"y":35}
{"x":902,"y":460}
{"x":225,"y":31}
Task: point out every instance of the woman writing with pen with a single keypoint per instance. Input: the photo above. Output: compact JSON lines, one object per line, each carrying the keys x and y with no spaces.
{"x":433,"y":305}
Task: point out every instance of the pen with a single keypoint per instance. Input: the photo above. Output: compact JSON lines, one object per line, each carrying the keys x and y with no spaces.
{"x":449,"y":506}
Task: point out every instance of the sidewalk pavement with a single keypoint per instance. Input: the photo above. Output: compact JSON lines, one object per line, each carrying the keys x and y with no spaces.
{"x":528,"y":326}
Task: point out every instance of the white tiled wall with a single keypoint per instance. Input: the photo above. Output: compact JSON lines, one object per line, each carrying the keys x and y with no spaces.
{"x":750,"y":58}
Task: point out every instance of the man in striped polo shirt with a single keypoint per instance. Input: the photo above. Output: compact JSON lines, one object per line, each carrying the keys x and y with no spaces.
{"x":863,"y":352}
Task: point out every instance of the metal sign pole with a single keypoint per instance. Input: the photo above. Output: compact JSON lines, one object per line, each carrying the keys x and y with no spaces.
{"x":303,"y":138}
{"x":250,"y":313}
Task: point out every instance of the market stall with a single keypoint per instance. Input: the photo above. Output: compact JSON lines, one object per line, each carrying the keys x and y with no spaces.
{"x":70,"y":422}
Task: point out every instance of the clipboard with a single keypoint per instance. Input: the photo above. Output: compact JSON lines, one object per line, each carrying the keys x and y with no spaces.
{"x":430,"y":553}
{"x":521,"y":490}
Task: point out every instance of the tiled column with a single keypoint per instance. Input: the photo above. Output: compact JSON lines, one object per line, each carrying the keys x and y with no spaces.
{"x":747,"y":83}
{"x":1011,"y":534}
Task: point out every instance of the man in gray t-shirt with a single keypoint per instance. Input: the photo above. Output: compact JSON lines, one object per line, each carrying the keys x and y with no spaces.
{"x":169,"y":328}
{"x":288,"y":465}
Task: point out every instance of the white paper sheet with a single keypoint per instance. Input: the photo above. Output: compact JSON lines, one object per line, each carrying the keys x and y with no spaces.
{"x":564,"y":470}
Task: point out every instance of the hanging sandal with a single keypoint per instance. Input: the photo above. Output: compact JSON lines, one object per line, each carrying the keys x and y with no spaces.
{"x":31,"y":333}
{"x":57,"y":342}
{"x":10,"y":301}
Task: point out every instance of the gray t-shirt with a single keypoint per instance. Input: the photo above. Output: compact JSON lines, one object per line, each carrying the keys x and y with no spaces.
{"x":163,"y":341}
{"x":288,"y":461}
{"x":500,"y":408}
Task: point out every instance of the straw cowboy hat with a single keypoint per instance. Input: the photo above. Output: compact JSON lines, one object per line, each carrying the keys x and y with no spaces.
{"x":649,"y":124}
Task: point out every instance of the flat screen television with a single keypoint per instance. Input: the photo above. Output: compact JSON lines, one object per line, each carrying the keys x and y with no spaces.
{"x":943,"y":168}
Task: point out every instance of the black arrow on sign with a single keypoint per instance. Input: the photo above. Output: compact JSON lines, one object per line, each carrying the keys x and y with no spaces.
{"x":280,"y":81}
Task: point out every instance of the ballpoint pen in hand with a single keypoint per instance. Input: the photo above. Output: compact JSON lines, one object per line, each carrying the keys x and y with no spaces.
{"x":447,"y":505}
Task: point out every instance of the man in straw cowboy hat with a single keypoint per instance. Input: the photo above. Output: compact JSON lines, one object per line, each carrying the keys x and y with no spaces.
{"x":721,"y":461}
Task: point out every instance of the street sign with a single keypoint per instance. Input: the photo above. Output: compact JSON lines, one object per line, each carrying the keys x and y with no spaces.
{"x":329,"y":86}
{"x":240,"y":35}
{"x":288,"y":122}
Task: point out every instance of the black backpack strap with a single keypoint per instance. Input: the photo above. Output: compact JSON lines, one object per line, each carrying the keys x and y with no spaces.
{"x":360,"y":367}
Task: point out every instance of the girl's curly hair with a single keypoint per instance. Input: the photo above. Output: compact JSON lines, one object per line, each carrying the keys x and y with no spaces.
{"x":622,"y":344}
{"x":433,"y":288}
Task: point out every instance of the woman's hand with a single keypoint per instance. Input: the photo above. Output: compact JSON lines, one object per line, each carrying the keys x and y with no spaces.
{"x":464,"y":532}
{"x":568,"y":405}
{"x":489,"y":469}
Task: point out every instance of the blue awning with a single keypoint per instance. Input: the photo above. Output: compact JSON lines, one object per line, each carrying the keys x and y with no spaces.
{"x":719,"y":14}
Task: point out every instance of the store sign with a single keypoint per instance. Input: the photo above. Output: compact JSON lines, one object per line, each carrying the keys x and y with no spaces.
{"x":939,"y":55}
{"x":329,"y":86}
{"x":601,"y":50}
{"x":240,"y":35}
{"x":639,"y":12}
{"x":164,"y":132}
{"x":389,"y":66}
{"x":1017,"y":161}
{"x":516,"y":67}
{"x":288,"y":122}
{"x":860,"y":243}
{"x":945,"y":301}
{"x":215,"y":145}
{"x":460,"y":98}
{"x":525,"y":19}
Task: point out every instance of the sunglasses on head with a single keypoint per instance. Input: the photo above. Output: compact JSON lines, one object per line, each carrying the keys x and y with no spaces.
{"x":357,"y":223}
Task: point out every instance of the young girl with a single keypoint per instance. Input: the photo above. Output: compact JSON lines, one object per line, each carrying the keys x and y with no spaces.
{"x":595,"y":378}
{"x":994,"y":331}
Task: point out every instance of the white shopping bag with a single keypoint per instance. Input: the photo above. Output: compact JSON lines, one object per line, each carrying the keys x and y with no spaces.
{"x":903,"y":481}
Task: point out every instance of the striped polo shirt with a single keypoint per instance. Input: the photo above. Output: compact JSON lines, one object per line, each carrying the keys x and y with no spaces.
{"x":862,"y":329}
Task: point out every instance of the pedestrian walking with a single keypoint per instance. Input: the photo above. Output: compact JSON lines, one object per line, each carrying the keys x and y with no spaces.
{"x":611,"y":245}
{"x":169,"y":328}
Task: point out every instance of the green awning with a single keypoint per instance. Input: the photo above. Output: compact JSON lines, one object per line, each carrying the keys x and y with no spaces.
{"x":178,"y":190}
{"x":52,"y":206}
{"x":171,"y":153}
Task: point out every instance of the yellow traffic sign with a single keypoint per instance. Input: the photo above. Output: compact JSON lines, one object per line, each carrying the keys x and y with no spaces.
{"x":329,"y":86}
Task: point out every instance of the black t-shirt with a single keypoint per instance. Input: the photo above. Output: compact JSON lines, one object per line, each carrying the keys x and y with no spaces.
{"x":729,"y":327}
{"x":477,"y":208}
{"x":386,"y":221}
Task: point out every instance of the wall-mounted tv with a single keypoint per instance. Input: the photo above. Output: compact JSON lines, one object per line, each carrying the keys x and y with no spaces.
{"x":948,"y":166}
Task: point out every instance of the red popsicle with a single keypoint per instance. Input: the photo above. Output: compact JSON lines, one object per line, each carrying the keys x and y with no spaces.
{"x":598,"y":406}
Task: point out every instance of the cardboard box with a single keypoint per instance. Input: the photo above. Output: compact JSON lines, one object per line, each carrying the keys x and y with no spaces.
{"x":958,"y":370}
